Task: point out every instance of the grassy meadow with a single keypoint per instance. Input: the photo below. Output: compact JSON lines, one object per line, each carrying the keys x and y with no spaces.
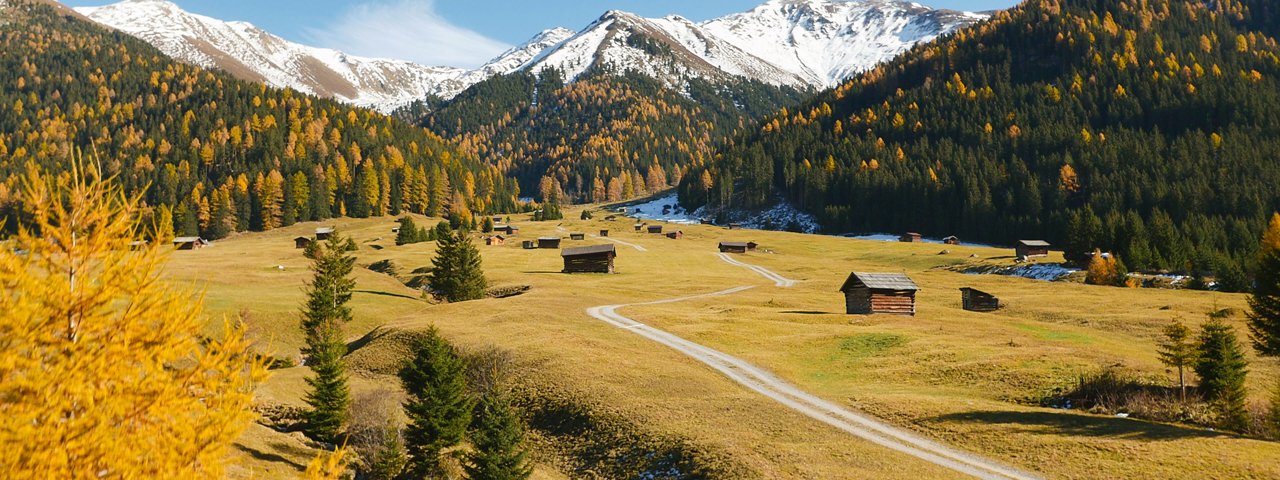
{"x":971,"y":380}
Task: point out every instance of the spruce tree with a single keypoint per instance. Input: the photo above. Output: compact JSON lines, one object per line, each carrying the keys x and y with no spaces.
{"x":389,"y":460}
{"x":438,"y":409}
{"x":487,"y":225}
{"x":1264,"y":304}
{"x":1177,"y":350}
{"x":1222,"y":369}
{"x":456,"y":273}
{"x":498,"y":438}
{"x":325,"y":315}
{"x":408,"y":232}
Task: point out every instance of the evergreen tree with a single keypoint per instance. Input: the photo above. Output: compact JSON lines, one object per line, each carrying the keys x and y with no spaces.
{"x":456,"y":273}
{"x":1222,"y":369}
{"x":325,"y":314}
{"x":1264,"y":304}
{"x":163,"y":225}
{"x":390,"y":458}
{"x":438,"y":409}
{"x":443,"y":230}
{"x":409,"y":232}
{"x":586,"y":215}
{"x":487,"y":226}
{"x":1177,"y":350}
{"x":498,"y":439}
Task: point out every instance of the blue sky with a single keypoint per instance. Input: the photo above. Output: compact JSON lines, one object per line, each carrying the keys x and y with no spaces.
{"x":463,"y":33}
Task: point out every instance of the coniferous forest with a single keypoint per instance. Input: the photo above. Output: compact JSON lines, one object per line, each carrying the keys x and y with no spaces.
{"x":1150,"y":128}
{"x":214,"y":154}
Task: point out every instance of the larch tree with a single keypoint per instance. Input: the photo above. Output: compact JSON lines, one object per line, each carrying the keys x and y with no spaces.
{"x":105,"y":371}
{"x":1178,"y":350}
{"x":1222,"y":369}
{"x":456,"y":271}
{"x":1264,"y":304}
{"x":325,"y":314}
{"x":498,"y":438}
{"x":439,"y":409}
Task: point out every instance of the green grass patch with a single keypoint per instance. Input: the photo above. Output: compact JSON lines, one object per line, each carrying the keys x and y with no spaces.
{"x":1044,"y":333}
{"x":870,"y":344}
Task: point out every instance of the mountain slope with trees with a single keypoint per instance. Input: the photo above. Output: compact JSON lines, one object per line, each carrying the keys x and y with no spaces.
{"x":1148,"y":128}
{"x":214,"y":154}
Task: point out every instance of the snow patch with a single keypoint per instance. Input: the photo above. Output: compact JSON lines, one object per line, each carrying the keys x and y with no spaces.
{"x":887,"y":237}
{"x":1036,"y":271}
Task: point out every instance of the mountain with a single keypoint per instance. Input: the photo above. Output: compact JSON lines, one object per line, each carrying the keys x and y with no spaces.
{"x":825,"y":42}
{"x":213,"y":153}
{"x":794,"y":43}
{"x":1146,"y":129}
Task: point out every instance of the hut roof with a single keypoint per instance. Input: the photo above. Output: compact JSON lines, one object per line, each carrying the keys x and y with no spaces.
{"x":590,"y":250}
{"x":735,"y":244}
{"x":324,"y":230}
{"x":974,"y":290}
{"x":187,"y":240}
{"x":548,"y":238}
{"x":881,"y":281}
{"x":1033,"y":243}
{"x":301,"y":238}
{"x":499,"y":237}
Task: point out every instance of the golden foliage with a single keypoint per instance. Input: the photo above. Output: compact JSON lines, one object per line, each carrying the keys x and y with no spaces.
{"x":330,"y":466}
{"x":102,"y":370}
{"x":1271,"y":239}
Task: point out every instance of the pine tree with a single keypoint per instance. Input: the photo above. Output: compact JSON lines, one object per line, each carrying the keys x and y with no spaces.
{"x":438,"y":409}
{"x":498,"y":438}
{"x":324,"y":317}
{"x":456,"y":273}
{"x":487,"y":226}
{"x":409,"y":232}
{"x":1222,"y":369}
{"x":1264,"y":304}
{"x":1177,"y":350}
{"x":390,"y":459}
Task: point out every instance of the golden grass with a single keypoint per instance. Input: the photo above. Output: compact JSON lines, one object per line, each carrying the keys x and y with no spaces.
{"x":961,"y":377}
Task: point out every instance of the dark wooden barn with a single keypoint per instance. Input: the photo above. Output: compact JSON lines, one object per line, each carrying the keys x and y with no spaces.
{"x":639,"y":227}
{"x":577,"y":236}
{"x":301,"y":242}
{"x":548,"y":242}
{"x":655,"y":228}
{"x":508,"y":230}
{"x":910,"y":237}
{"x":952,"y":240}
{"x":592,"y":259}
{"x":975,"y":300}
{"x":676,"y":235}
{"x":189,"y":243}
{"x":737,"y":247}
{"x":530,"y":245}
{"x":1031,"y":248}
{"x":604,"y":233}
{"x":872,"y":293}
{"x":323,"y":233}
{"x":733,"y":226}
{"x":495,"y":240}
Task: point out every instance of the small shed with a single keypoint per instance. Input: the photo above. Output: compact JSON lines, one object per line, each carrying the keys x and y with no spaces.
{"x":604,"y":233}
{"x":577,"y":236}
{"x":592,"y":259}
{"x":975,"y":300}
{"x":639,"y":227}
{"x":1031,"y":248}
{"x":737,"y":247}
{"x":323,"y":233}
{"x":952,"y":240}
{"x":548,"y":242}
{"x":911,"y":237}
{"x":509,"y":230}
{"x":872,"y":293}
{"x":676,"y":235}
{"x":495,"y":240}
{"x":301,"y":242}
{"x":189,"y":243}
{"x":530,"y":245}
{"x":655,"y":228}
{"x":735,"y":226}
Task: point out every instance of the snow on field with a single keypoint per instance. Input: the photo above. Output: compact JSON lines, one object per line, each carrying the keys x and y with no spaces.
{"x":781,"y":216}
{"x":654,"y":210}
{"x":886,"y":237}
{"x":1035,"y":271}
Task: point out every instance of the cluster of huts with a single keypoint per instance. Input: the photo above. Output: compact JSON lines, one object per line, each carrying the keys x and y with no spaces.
{"x":322,"y":234}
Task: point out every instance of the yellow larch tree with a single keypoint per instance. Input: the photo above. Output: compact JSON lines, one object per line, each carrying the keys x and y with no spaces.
{"x":103,"y":371}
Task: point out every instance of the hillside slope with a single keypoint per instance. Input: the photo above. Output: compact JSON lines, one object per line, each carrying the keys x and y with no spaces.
{"x":1147,"y":129}
{"x":217,"y":154}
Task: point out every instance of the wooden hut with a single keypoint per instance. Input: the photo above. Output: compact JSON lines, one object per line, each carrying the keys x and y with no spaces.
{"x":548,"y":242}
{"x":189,"y":243}
{"x":577,"y":236}
{"x":676,"y":235}
{"x":530,"y":245}
{"x":323,"y":233}
{"x":1031,"y":248}
{"x":604,"y":233}
{"x":975,"y":300}
{"x":737,"y":247}
{"x":301,"y":242}
{"x":639,"y":227}
{"x":911,"y":237}
{"x":655,"y":228}
{"x":871,"y":293}
{"x":592,"y":259}
{"x":508,"y":230}
{"x":735,"y":226}
{"x":952,"y":240}
{"x":495,"y":240}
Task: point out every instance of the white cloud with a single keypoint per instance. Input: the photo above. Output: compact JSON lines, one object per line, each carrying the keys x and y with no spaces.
{"x":406,"y":30}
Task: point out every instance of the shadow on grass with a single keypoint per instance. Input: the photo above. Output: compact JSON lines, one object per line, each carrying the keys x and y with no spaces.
{"x":548,"y":272}
{"x":388,"y":294}
{"x":809,"y":312}
{"x":1067,"y":423}
{"x":272,"y":457}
